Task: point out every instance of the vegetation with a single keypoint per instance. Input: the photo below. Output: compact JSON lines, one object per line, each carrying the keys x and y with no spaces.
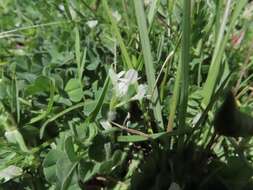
{"x":98,"y":94}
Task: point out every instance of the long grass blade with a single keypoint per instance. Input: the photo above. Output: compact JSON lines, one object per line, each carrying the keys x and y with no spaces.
{"x":148,"y":60}
{"x":152,"y":11}
{"x":174,"y":101}
{"x":214,"y":70}
{"x":116,"y":30}
{"x":100,"y":101}
{"x":185,"y":60}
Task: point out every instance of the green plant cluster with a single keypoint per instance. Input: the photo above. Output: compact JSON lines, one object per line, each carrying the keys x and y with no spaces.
{"x":98,"y":94}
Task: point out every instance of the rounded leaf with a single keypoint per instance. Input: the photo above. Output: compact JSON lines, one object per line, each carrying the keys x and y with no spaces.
{"x":74,"y":90}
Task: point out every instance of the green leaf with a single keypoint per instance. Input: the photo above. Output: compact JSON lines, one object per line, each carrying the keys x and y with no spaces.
{"x":49,"y":165}
{"x":185,"y":61}
{"x":3,"y":90}
{"x":14,"y":136}
{"x":74,"y":90}
{"x":41,"y":84}
{"x":131,"y":138}
{"x":43,"y":127}
{"x":106,"y":167}
{"x":92,"y":131}
{"x":69,"y":149}
{"x":10,"y":172}
{"x":230,"y":175}
{"x":138,"y":138}
{"x":65,"y":172}
{"x":87,"y":170}
{"x":223,"y":36}
{"x":93,"y":66}
{"x":49,"y":106}
{"x":118,"y":36}
{"x":148,"y":60}
{"x":117,"y":157}
{"x":100,"y":101}
{"x":89,"y":107}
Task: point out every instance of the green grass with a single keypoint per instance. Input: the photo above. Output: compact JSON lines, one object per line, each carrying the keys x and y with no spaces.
{"x":148,"y":61}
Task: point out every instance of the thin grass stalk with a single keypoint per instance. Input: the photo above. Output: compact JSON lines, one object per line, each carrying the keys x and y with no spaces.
{"x":174,"y":101}
{"x":217,"y":17}
{"x":152,"y":11}
{"x":184,"y":67}
{"x":67,"y":9}
{"x":126,"y":57}
{"x":77,"y":51}
{"x":171,"y":4}
{"x":148,"y":60}
{"x":185,"y":60}
{"x":215,"y":63}
{"x":80,"y":58}
{"x":222,"y":39}
{"x":5,"y":33}
{"x":175,"y":97}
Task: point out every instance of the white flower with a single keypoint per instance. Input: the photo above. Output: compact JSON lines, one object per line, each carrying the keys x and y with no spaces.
{"x":116,"y":15}
{"x":141,"y":92}
{"x":105,"y":124}
{"x":122,"y":80}
{"x":92,"y":23}
{"x":111,"y":115}
{"x":131,"y":76}
{"x":147,"y":2}
{"x":61,"y":7}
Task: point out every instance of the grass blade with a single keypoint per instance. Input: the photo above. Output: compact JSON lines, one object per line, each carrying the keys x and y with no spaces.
{"x":152,"y":11}
{"x":100,"y":101}
{"x":49,"y":106}
{"x":43,"y":127}
{"x":185,"y":60}
{"x":213,"y":73}
{"x":149,"y":67}
{"x":175,"y":99}
{"x":77,"y":50}
{"x":116,"y":30}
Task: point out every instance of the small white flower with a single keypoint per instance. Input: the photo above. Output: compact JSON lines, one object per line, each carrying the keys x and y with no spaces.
{"x":18,"y":24}
{"x":115,"y":77}
{"x":72,"y":12}
{"x":131,"y":76}
{"x":92,"y":23}
{"x":61,"y":7}
{"x":105,"y":124}
{"x":122,"y":88}
{"x":141,"y":92}
{"x":111,"y":115}
{"x":147,"y":2}
{"x":122,"y":80}
{"x":116,"y":15}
